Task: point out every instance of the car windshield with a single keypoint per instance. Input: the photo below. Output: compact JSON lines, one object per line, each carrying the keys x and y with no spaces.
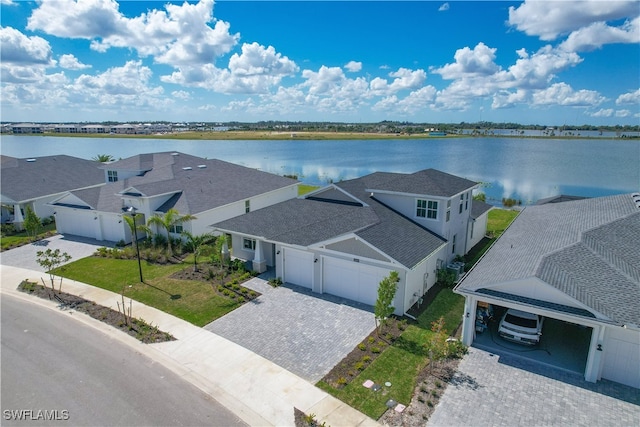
{"x":519,"y":321}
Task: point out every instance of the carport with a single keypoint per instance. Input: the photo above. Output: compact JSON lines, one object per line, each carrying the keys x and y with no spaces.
{"x":563,"y":344}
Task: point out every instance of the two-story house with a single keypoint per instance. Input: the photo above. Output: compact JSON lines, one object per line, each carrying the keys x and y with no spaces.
{"x":343,"y":239}
{"x":151,"y":184}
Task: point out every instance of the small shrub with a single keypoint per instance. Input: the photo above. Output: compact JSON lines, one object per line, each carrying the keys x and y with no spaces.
{"x":351,"y":373}
{"x":438,"y":384}
{"x":362,"y":346}
{"x":429,"y":403}
{"x":402,"y":325}
{"x":359,"y":366}
{"x":120,"y":244}
{"x":371,"y":340}
{"x":375,"y":350}
{"x":227,"y":293}
{"x":220,"y":288}
{"x":275,"y":282}
{"x":420,"y":399}
{"x":434,"y":393}
{"x":240,"y":299}
{"x":423,"y":389}
{"x":233,"y":296}
{"x":366,"y":359}
{"x":253,"y":294}
{"x":342,"y":381}
{"x":236,"y":287}
{"x":244,"y":291}
{"x":389,"y":337}
{"x":381,"y":343}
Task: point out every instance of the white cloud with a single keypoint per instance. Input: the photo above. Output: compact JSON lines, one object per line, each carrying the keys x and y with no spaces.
{"x":476,"y":61}
{"x":550,"y":19}
{"x":563,"y":94}
{"x":605,"y":112}
{"x":19,"y":49}
{"x":353,"y":66}
{"x":537,"y":71}
{"x":180,"y":35}
{"x":444,"y":7}
{"x":507,"y":99}
{"x":8,"y":2}
{"x":181,"y":94}
{"x":417,"y":101}
{"x":623,"y":113}
{"x":70,"y":62}
{"x":598,"y":34}
{"x":629,"y":98}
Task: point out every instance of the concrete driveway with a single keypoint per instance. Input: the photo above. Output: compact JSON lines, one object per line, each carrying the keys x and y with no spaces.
{"x":77,"y":247}
{"x":305,"y":333}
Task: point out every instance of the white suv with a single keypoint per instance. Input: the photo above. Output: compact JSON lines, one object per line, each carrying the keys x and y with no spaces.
{"x":521,"y":327}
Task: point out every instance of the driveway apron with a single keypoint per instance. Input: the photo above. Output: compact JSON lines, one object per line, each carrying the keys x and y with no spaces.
{"x":305,"y":333}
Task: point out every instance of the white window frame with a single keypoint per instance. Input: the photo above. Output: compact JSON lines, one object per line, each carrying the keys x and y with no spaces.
{"x":112,"y":176}
{"x":248,"y":244}
{"x":247,"y":206}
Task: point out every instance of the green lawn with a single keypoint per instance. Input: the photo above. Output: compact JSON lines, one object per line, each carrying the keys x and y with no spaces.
{"x":21,"y":237}
{"x":401,"y":362}
{"x":193,"y":301}
{"x":499,"y":220}
{"x":306,"y":188}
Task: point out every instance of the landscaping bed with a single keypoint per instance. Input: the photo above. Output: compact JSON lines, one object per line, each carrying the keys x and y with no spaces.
{"x":223,"y":283}
{"x":136,"y":328}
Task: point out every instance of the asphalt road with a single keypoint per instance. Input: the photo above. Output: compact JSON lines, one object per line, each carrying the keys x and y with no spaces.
{"x":81,"y":377}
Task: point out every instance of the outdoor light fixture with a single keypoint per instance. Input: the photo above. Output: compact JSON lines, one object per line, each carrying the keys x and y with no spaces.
{"x":599,"y":347}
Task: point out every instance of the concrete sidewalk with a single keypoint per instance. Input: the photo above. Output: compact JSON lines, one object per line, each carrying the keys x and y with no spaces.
{"x":255,"y":389}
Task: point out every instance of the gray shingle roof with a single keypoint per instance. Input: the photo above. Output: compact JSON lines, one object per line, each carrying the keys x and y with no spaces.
{"x":24,"y":180}
{"x":306,"y":222}
{"x":200,"y":184}
{"x":587,"y":248}
{"x":429,"y":182}
{"x":478,"y":208}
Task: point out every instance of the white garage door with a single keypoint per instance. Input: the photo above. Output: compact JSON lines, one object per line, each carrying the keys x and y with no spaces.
{"x":352,"y":280}
{"x":622,"y":357}
{"x":298,"y":267}
{"x":77,"y":223}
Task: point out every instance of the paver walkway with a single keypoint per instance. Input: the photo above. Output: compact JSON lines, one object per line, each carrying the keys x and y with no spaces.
{"x":493,"y":390}
{"x":305,"y":333}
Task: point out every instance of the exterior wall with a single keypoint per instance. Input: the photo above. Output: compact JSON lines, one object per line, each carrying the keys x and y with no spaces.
{"x":621,"y":356}
{"x":92,"y":224}
{"x":477,"y":230}
{"x":421,"y":278}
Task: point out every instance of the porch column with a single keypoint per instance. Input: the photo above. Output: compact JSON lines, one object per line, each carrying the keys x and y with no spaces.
{"x":594,"y":359}
{"x":259,"y":263}
{"x":469,"y":320}
{"x":18,"y":219}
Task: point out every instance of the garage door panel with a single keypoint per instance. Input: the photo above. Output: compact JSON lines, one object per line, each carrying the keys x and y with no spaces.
{"x":622,"y":357}
{"x":298,"y":268}
{"x":352,"y":280}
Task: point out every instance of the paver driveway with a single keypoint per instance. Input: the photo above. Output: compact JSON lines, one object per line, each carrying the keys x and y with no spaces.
{"x":305,"y":333}
{"x":77,"y":247}
{"x":506,"y":390}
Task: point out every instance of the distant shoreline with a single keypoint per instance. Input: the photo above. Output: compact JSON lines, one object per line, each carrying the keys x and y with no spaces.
{"x":305,"y":136}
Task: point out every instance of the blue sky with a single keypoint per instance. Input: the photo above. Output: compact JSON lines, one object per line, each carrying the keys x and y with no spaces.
{"x":530,"y":62}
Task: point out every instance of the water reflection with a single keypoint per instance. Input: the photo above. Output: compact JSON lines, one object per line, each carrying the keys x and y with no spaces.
{"x":522,"y":169}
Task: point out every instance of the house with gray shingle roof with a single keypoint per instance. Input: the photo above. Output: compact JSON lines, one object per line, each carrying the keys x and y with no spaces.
{"x":343,"y":239}
{"x":576,"y":261}
{"x":211,"y":190}
{"x":37,"y":181}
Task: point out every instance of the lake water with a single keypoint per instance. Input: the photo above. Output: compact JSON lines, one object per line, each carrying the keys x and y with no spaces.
{"x":524,"y":169}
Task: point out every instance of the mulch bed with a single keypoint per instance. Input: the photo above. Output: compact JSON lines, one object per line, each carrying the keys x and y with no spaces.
{"x":137,"y":328}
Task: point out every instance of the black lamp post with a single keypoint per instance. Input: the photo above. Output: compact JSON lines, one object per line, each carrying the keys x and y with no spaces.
{"x":132,"y":211}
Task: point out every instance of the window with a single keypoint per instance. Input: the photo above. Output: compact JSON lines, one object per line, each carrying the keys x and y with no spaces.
{"x":247,"y":206}
{"x":112,"y":176}
{"x":448,"y":215}
{"x":453,"y":244}
{"x":427,"y":209}
{"x":249,"y":244}
{"x":448,"y":210}
{"x":461,"y":203}
{"x":466,"y":201}
{"x":176,"y":228}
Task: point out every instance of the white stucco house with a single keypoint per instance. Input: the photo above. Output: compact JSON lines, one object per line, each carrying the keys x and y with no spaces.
{"x":211,"y":190}
{"x":343,"y":239}
{"x":578,"y":262}
{"x":37,"y":181}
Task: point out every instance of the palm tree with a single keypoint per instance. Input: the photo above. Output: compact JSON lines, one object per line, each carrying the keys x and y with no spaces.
{"x":103,"y":158}
{"x":198,"y":244}
{"x":170,"y":219}
{"x":134,"y":226}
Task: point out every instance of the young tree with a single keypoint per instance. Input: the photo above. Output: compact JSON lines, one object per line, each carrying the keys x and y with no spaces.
{"x":132,"y":222}
{"x":386,"y":292}
{"x":103,"y":158}
{"x":198,"y":244}
{"x":167,"y":221}
{"x":32,"y":224}
{"x":50,"y":260}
